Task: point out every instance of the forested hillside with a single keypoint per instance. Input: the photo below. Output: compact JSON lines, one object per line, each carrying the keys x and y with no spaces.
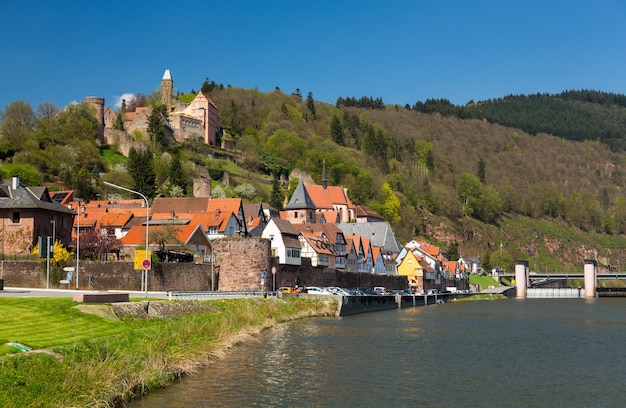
{"x":495,"y":179}
{"x":573,"y":115}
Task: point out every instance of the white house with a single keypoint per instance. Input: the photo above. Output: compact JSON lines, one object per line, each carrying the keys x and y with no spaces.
{"x":284,"y":241}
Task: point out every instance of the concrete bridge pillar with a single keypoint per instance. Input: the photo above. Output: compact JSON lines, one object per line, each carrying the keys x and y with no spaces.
{"x":521,"y":278}
{"x":591,"y":277}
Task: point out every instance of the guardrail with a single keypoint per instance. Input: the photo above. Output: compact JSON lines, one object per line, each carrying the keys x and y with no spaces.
{"x":210,"y":295}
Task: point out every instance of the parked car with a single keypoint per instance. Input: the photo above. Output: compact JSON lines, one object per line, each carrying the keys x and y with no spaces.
{"x":380,"y":290}
{"x":316,"y":290}
{"x":338,"y":291}
{"x":367,"y":291}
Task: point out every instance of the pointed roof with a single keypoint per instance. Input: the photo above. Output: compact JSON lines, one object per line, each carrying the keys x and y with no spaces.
{"x":210,"y":220}
{"x":327,"y":198}
{"x":287,"y":231}
{"x":332,"y":232}
{"x":380,"y":234}
{"x":166,"y":75}
{"x":300,"y":199}
{"x":137,"y":234}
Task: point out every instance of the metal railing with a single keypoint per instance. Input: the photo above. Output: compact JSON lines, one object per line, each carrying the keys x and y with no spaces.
{"x":211,"y":295}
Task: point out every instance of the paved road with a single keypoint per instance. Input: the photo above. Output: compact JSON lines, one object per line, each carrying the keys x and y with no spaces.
{"x":30,"y":292}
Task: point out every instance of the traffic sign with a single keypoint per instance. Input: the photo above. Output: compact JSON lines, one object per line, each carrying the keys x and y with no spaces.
{"x":146,"y":263}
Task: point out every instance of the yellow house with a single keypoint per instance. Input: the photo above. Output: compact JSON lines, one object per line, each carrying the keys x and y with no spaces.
{"x":411,"y":267}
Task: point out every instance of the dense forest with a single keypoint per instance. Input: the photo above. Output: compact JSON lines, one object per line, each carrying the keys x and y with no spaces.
{"x":471,"y":178}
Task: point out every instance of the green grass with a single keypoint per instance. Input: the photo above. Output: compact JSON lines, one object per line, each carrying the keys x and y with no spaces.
{"x":113,"y":157}
{"x":483,"y":280}
{"x":42,"y":323}
{"x":97,"y":361}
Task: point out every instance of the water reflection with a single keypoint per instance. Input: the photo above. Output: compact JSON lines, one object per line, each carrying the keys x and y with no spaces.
{"x":562,"y":352}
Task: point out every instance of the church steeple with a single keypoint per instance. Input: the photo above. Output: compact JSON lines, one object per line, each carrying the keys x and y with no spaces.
{"x":167,"y":89}
{"x":324,"y":181}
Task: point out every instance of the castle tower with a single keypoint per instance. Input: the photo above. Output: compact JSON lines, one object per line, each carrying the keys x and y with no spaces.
{"x":202,"y":187}
{"x":98,"y":103}
{"x":167,"y":89}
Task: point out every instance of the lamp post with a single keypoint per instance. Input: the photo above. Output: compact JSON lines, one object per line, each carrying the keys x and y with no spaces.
{"x":78,"y":200}
{"x":146,"y":261}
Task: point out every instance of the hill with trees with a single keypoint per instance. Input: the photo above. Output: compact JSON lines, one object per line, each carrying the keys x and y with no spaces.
{"x":538,"y":177}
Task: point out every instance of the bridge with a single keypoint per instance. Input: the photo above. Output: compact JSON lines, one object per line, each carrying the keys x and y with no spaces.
{"x":524,"y":281}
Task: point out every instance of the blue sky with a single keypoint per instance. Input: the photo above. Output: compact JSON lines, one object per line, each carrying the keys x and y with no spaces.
{"x":402,"y":51}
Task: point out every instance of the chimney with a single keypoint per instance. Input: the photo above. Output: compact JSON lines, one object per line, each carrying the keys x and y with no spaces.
{"x":15,"y":182}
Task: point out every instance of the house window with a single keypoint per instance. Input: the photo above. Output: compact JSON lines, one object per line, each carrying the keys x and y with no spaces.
{"x":15,"y":219}
{"x":212,"y":230}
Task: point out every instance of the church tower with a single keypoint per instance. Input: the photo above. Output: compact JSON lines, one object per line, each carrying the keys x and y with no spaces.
{"x":167,"y":89}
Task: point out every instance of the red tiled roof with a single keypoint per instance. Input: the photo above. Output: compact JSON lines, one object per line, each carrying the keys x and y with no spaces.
{"x":180,"y":205}
{"x":137,"y":234}
{"x":328,"y":197}
{"x":115,"y":219}
{"x":225,"y":204}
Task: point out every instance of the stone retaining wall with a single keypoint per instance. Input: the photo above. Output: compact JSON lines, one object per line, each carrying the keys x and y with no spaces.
{"x":239,"y":265}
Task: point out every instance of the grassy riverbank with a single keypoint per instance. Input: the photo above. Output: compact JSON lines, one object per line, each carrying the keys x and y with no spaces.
{"x":82,"y":356}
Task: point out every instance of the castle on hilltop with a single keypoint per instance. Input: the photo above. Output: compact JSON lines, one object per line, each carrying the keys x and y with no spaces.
{"x":197,"y":120}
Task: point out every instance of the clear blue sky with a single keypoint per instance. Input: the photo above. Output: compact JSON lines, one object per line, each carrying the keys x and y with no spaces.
{"x":402,"y":51}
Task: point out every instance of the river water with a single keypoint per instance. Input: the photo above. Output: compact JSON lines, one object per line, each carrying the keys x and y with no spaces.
{"x":505,"y":353}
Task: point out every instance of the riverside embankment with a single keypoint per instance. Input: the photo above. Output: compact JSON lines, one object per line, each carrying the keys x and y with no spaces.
{"x":85,"y":356}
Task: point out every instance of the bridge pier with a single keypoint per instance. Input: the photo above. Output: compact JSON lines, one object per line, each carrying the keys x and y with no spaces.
{"x":521,"y":279}
{"x":591,"y":277}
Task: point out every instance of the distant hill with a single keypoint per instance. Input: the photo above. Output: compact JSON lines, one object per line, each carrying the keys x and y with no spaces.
{"x":537,"y":177}
{"x":573,"y":115}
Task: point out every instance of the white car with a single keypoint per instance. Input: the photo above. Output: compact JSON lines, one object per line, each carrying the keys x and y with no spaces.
{"x":338,"y":291}
{"x":315,"y":290}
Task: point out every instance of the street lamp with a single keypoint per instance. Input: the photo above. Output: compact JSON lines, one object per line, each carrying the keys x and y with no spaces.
{"x":78,"y":200}
{"x":146,"y":261}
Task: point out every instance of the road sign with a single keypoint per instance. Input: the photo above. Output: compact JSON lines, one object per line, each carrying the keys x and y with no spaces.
{"x":273,"y":270}
{"x":141,"y":260}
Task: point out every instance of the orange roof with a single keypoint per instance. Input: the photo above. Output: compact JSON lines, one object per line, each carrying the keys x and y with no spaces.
{"x":375,"y":252}
{"x":115,"y":219}
{"x":431,"y":250}
{"x":180,"y":205}
{"x":225,"y":204}
{"x":328,"y":197}
{"x":208,"y":220}
{"x":137,"y":234}
{"x":317,"y":242}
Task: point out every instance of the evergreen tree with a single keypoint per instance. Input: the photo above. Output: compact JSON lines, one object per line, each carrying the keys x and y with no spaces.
{"x":177,"y":175}
{"x":141,"y":168}
{"x":310,"y":103}
{"x":453,"y":251}
{"x":119,"y":122}
{"x":481,"y":170}
{"x":278,"y":197}
{"x":336,"y":131}
{"x":156,"y":127}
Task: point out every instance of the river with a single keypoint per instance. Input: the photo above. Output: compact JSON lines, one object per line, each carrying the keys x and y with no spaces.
{"x":509,"y":353}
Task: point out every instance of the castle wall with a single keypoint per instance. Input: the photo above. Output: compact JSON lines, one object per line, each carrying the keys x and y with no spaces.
{"x":98,"y":103}
{"x":239,"y":263}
